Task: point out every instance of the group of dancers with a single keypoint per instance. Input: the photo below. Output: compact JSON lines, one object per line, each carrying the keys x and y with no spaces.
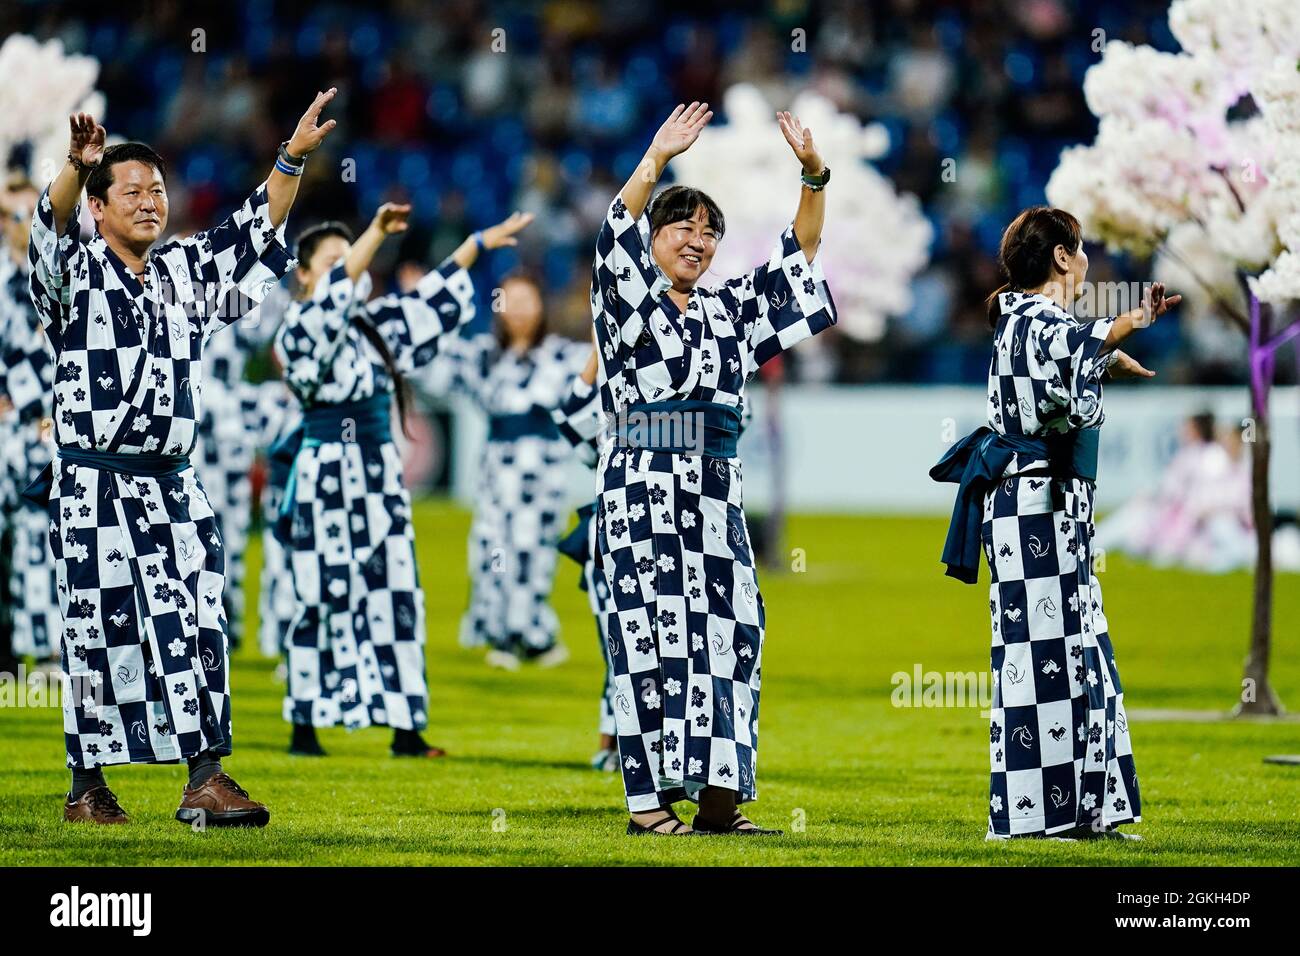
{"x":134,"y":432}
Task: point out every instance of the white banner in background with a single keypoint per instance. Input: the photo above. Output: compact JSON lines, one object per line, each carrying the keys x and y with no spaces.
{"x":869,"y":448}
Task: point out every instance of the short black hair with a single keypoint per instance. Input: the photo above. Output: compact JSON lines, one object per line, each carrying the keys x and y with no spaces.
{"x":101,"y":177}
{"x":311,"y":237}
{"x":677,"y":203}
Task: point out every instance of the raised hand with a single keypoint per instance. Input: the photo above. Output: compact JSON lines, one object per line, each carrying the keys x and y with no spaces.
{"x":800,"y":139}
{"x":1155,"y":304}
{"x":86,"y":142}
{"x":681,"y":129}
{"x":391,"y":217}
{"x":503,"y":233}
{"x":308,"y":136}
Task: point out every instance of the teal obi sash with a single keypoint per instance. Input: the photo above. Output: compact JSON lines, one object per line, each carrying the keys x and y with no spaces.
{"x":143,"y":465}
{"x":536,"y":422}
{"x":366,"y":422}
{"x":976,"y":463}
{"x":683,"y":427}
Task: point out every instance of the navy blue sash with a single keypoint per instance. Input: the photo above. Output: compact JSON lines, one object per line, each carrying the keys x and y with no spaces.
{"x":644,"y":425}
{"x":143,"y":465}
{"x":536,"y":422}
{"x":976,"y":463}
{"x":575,"y":544}
{"x":366,"y":422}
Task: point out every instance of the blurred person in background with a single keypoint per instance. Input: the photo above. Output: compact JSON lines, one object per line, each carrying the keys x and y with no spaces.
{"x":516,"y":373}
{"x":581,"y":422}
{"x":26,"y":437}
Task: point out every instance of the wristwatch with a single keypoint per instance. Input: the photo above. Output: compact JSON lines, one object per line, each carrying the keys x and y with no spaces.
{"x":818,"y":182}
{"x":288,"y":163}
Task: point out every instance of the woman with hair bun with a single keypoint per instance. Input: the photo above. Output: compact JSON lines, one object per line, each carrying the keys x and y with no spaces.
{"x":1060,"y":755}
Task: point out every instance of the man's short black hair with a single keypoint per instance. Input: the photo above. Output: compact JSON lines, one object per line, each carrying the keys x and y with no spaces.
{"x":101,"y":177}
{"x":677,"y":203}
{"x":311,"y":237}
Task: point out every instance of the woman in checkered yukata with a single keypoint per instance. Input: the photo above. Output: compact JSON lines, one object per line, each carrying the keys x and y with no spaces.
{"x":355,"y":648}
{"x":515,"y":373}
{"x":1059,"y":748}
{"x":687,"y":623}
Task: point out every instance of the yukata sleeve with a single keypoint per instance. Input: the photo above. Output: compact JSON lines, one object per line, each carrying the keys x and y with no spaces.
{"x":55,"y":260}
{"x":415,"y":323}
{"x":580,"y":419}
{"x":632,"y":331}
{"x":314,"y":330}
{"x":235,"y":264}
{"x":1067,"y":361}
{"x":781,"y":302}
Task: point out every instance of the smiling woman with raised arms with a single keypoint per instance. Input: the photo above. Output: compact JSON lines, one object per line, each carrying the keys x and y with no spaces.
{"x":686,"y":629}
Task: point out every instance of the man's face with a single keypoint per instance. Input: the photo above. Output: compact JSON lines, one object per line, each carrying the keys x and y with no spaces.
{"x":135,"y":213}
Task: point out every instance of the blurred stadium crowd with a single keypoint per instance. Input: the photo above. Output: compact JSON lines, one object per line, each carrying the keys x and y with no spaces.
{"x":471,"y":108}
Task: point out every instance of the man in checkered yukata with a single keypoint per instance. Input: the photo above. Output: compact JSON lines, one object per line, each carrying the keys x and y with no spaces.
{"x":139,"y":561}
{"x":1059,"y":749}
{"x":686,"y":629}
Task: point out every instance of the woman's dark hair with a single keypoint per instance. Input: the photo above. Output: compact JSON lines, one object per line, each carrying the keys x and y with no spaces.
{"x":499,"y":327}
{"x":1203,"y":425}
{"x":304,"y":248}
{"x":1025,"y":255}
{"x":680,"y":202}
{"x":101,"y":177}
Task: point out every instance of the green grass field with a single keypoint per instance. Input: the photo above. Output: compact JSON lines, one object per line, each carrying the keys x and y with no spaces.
{"x":869,"y":783}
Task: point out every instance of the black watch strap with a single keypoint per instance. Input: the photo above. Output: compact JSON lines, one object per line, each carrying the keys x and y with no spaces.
{"x":288,"y":157}
{"x":817,"y":181}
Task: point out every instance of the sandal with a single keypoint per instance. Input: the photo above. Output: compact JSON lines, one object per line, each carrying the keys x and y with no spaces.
{"x":678,"y":827}
{"x":735,"y":827}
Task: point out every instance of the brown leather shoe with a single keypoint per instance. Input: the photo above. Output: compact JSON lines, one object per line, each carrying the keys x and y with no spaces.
{"x":96,"y":805}
{"x":220,"y":802}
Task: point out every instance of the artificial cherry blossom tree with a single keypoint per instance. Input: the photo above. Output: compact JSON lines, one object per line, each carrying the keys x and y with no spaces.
{"x":1196,"y":159}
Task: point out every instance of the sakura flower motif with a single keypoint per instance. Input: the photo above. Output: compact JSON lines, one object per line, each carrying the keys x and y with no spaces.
{"x":688,"y":519}
{"x":627,"y":584}
{"x":673,"y":686}
{"x":666,"y":563}
{"x":1089,"y":801}
{"x":996,"y":803}
{"x":177,"y":647}
{"x":694,"y":766}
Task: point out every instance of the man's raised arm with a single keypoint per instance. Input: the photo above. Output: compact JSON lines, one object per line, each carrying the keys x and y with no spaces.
{"x":282,"y":184}
{"x":85,"y":150}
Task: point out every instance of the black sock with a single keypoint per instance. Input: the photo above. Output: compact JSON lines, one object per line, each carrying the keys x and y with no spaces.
{"x":304,"y":739}
{"x":202,"y":766}
{"x":409,"y":742}
{"x":83,"y":780}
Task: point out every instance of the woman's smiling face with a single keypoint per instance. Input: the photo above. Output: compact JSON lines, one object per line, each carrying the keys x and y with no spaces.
{"x":684,"y":249}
